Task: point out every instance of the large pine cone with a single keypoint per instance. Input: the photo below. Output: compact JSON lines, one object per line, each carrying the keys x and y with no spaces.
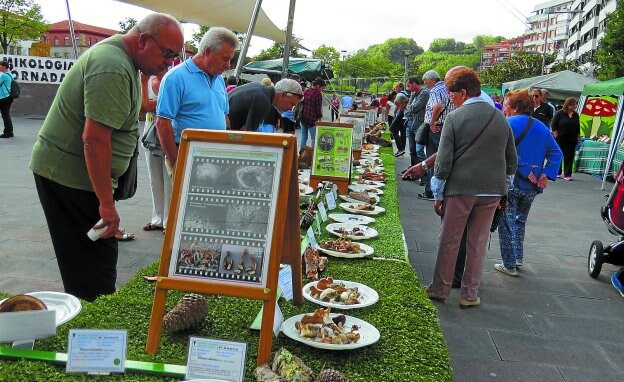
{"x":331,"y":375}
{"x":188,"y":313}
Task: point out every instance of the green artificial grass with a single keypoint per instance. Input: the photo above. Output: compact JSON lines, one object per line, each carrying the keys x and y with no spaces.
{"x":411,"y":347}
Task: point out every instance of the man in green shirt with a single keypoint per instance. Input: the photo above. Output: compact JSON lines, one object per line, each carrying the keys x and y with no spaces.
{"x":86,"y":143}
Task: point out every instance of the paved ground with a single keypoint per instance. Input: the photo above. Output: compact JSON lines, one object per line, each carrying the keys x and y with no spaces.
{"x":553,"y":323}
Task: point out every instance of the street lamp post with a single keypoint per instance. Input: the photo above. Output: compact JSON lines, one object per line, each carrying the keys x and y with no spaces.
{"x":344,"y":55}
{"x":407,"y":53}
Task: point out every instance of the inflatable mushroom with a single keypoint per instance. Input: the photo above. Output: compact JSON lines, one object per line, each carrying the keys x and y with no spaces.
{"x":598,"y":108}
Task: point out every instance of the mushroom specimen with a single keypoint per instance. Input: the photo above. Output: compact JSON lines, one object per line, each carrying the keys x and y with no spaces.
{"x":598,"y":108}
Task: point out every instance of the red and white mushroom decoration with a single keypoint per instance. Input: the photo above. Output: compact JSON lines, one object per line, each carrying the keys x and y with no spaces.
{"x":598,"y":108}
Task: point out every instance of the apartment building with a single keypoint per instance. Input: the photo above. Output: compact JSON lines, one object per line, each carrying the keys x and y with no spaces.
{"x":500,"y":52}
{"x":549,"y":27}
{"x":587,"y":27}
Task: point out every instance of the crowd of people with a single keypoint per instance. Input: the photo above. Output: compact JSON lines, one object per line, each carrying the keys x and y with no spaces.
{"x":467,"y":149}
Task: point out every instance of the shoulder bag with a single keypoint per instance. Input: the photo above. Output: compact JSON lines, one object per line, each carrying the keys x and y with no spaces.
{"x":502,"y":205}
{"x":127,"y":182}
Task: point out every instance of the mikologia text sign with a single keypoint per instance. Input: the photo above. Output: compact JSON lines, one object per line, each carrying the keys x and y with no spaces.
{"x":41,"y":70}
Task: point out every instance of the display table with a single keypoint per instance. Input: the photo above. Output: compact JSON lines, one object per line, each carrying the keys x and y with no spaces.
{"x":592,"y":158}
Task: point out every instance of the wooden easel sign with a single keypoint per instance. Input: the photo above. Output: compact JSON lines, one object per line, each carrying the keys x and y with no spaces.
{"x":359,"y":124}
{"x":234,"y":212}
{"x":332,"y":155}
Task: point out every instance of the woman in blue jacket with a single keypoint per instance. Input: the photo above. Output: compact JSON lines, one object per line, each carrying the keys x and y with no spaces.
{"x":539,"y":158}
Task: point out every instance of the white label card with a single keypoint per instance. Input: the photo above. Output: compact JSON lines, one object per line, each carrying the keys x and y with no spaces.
{"x":212,"y":359}
{"x":97,"y":351}
{"x":317,"y":217}
{"x":278,"y":319}
{"x":323,"y":211}
{"x":312,"y":238}
{"x":331,"y":200}
{"x":285,"y":282}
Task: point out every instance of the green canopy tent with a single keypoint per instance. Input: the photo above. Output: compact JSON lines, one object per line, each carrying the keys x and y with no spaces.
{"x":491,"y":90}
{"x":560,"y":85}
{"x":602,"y":105}
{"x":307,"y":68}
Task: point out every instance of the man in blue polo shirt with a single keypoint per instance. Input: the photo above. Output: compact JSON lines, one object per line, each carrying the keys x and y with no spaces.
{"x":192,"y":95}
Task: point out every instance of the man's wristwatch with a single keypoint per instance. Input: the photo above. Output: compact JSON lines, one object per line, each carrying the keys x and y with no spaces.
{"x":424,"y":165}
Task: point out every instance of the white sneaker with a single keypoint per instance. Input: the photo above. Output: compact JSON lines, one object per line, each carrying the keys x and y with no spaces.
{"x":519,"y":262}
{"x":510,"y":272}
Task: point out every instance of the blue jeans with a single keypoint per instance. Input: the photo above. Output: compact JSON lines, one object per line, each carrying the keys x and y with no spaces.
{"x":512,"y":225}
{"x":304,"y":135}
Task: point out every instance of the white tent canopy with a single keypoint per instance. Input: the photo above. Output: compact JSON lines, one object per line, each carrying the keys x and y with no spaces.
{"x":232,"y":14}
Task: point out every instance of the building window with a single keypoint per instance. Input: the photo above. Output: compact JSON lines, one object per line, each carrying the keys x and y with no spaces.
{"x":56,"y":41}
{"x":89,"y":41}
{"x":66,"y":41}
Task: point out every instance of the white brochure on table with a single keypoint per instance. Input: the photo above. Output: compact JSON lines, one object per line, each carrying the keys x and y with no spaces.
{"x":331,"y":200}
{"x":97,"y":351}
{"x":323,"y":211}
{"x":212,"y":359}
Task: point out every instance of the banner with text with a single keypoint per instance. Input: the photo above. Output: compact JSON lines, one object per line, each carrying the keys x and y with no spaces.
{"x":41,"y":70}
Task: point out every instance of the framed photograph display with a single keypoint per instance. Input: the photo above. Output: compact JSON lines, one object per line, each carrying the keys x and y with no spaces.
{"x":233,"y":218}
{"x":332,"y":154}
{"x":361,"y":113}
{"x":227,"y":212}
{"x":359,"y":124}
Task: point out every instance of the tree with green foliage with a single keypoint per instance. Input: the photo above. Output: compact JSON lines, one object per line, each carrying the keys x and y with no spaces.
{"x":394,"y":49}
{"x":520,"y":65}
{"x":277,"y":51}
{"x":126,"y":24}
{"x":20,"y":20}
{"x":329,"y":54}
{"x":610,"y":53}
{"x":441,"y":62}
{"x":562,"y":65}
{"x":483,"y":40}
{"x":446,"y":45}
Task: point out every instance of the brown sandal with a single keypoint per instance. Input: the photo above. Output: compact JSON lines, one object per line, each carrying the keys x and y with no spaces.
{"x":152,"y":227}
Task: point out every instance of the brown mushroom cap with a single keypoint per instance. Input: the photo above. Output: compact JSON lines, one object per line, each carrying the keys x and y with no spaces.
{"x":598,"y":107}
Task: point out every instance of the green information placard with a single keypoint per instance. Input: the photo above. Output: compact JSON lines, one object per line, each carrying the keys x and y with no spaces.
{"x":332,"y":151}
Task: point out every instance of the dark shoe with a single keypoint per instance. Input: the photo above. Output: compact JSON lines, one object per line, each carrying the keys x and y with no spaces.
{"x":465,"y":304}
{"x":456,"y":285}
{"x":617,"y":284}
{"x":6,"y":135}
{"x":399,"y":153}
{"x":423,"y":183}
{"x":433,"y":296}
{"x":426,"y":196}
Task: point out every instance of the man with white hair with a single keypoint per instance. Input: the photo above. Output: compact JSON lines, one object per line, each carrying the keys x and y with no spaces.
{"x":193,"y":95}
{"x":86,"y":143}
{"x":545,"y":95}
{"x":438,"y":107}
{"x":251,"y":103}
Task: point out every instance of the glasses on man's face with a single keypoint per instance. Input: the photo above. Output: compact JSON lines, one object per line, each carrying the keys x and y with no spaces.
{"x":167,"y":53}
{"x":300,"y":96}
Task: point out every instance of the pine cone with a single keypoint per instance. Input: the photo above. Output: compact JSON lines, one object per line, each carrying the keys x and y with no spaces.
{"x":331,"y":375}
{"x":188,"y":313}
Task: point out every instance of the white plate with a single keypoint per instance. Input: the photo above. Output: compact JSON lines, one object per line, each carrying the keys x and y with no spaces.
{"x":351,"y":200}
{"x":368,"y":296}
{"x":372,"y":183}
{"x":64,"y":305}
{"x":307,"y":190}
{"x":376,"y":211}
{"x":304,"y":180}
{"x":369,"y":232}
{"x":366,"y":251}
{"x":365,"y":188}
{"x":361,"y":170}
{"x":351,"y":218}
{"x":366,"y":161}
{"x":369,"y":154}
{"x":368,"y":333}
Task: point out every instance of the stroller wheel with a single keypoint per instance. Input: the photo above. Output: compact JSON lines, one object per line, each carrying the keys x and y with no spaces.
{"x":595,"y":259}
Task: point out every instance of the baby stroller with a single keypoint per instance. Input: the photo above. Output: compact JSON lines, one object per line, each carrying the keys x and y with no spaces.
{"x":613,"y":215}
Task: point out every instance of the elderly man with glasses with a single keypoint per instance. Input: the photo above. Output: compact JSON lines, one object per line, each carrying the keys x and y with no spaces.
{"x":251,"y":103}
{"x":86,"y":143}
{"x":193,"y":95}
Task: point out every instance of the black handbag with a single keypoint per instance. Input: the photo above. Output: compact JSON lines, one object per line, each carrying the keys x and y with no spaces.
{"x":127,"y":182}
{"x":421,"y":136}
